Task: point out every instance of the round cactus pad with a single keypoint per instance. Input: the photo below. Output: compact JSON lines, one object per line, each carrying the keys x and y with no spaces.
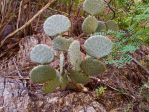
{"x":42,"y":73}
{"x":41,"y":53}
{"x":89,"y":25}
{"x":101,"y":26}
{"x":92,"y":66}
{"x":61,"y":43}
{"x":93,"y":7}
{"x":98,"y":46}
{"x":56,"y":24}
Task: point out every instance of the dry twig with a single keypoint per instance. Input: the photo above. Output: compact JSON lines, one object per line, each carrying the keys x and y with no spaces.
{"x":141,"y":66}
{"x":27,"y":23}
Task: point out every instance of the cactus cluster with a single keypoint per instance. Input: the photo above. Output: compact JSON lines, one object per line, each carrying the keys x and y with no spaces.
{"x":91,"y":24}
{"x":74,"y":71}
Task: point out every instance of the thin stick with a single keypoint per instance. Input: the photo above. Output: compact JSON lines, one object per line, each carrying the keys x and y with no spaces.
{"x":17,"y":68}
{"x":138,"y":63}
{"x":19,"y":15}
{"x":27,"y":23}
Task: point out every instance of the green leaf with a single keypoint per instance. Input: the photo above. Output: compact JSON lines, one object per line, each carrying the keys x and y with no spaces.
{"x":129,"y":48}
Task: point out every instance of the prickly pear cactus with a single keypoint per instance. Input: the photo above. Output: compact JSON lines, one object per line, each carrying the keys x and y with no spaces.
{"x":42,"y":74}
{"x":78,"y":77}
{"x":51,"y":85}
{"x":112,"y":25}
{"x":101,"y":26}
{"x":61,"y":43}
{"x":41,"y":53}
{"x":92,"y":66}
{"x":56,"y":24}
{"x":94,"y":7}
{"x":74,"y":55}
{"x":98,"y":46}
{"x":89,"y":25}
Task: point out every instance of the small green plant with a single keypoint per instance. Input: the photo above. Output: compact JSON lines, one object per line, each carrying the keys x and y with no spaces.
{"x":79,"y":69}
{"x":100,"y":91}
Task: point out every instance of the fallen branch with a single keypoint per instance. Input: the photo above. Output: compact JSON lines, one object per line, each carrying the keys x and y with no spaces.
{"x":27,"y":23}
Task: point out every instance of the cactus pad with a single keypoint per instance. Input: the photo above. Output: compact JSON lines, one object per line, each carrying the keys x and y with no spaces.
{"x":98,"y":46}
{"x":112,"y":25}
{"x":89,"y":25}
{"x":74,"y":55}
{"x":101,"y":26}
{"x":61,"y":43}
{"x":64,"y":81}
{"x":78,"y":77}
{"x":51,"y":85}
{"x":94,"y":7}
{"x":42,"y":73}
{"x":56,"y":24}
{"x":92,"y":66}
{"x":41,"y":53}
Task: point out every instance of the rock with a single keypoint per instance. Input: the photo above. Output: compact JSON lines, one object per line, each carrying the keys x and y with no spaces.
{"x":13,"y":96}
{"x":88,"y":109}
{"x":93,"y":107}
